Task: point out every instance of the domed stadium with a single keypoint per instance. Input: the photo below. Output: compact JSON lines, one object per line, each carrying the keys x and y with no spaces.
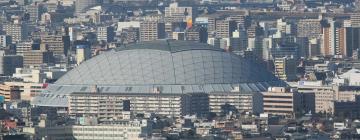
{"x":174,"y":67}
{"x":168,"y":63}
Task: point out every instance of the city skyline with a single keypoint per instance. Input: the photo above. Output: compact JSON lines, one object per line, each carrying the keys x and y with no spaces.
{"x":179,"y":69}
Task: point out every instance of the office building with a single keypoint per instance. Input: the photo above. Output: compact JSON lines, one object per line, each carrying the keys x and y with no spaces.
{"x":23,"y":47}
{"x":326,"y":95}
{"x":9,"y":92}
{"x":282,"y":101}
{"x":327,"y":41}
{"x":239,"y":19}
{"x":314,"y":47}
{"x":28,"y":89}
{"x":283,"y":26}
{"x":251,"y":31}
{"x":211,"y":25}
{"x":284,"y":50}
{"x":310,"y":28}
{"x":198,"y":34}
{"x":134,"y":73}
{"x":38,"y":57}
{"x":5,"y":40}
{"x":45,"y":18}
{"x":175,"y":13}
{"x":34,"y":11}
{"x":152,"y":30}
{"x":238,"y":41}
{"x":129,"y":35}
{"x":83,"y":52}
{"x":352,"y":40}
{"x":8,"y":64}
{"x":17,"y":31}
{"x":171,"y":27}
{"x":222,"y":43}
{"x":285,"y":68}
{"x":105,"y":33}
{"x":340,"y":46}
{"x":334,"y":40}
{"x":256,"y":46}
{"x":244,"y":101}
{"x":350,"y":109}
{"x":56,"y":43}
{"x":355,"y":20}
{"x":225,"y":28}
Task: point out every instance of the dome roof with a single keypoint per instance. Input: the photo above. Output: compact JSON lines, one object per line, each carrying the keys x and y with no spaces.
{"x":166,"y":62}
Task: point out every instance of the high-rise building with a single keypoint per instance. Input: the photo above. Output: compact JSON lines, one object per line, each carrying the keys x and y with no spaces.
{"x":23,"y":46}
{"x":211,"y":26}
{"x":45,"y":18}
{"x":34,"y":11}
{"x":197,"y":34}
{"x":223,"y":43}
{"x":83,"y":52}
{"x":326,"y":41}
{"x":256,"y":46}
{"x":171,"y":27}
{"x":239,"y":40}
{"x":105,"y":33}
{"x":225,"y":28}
{"x":310,"y":28}
{"x":38,"y":57}
{"x":352,"y":40}
{"x":152,"y":30}
{"x":82,"y":5}
{"x":51,"y":6}
{"x":5,"y":40}
{"x":56,"y":43}
{"x":8,"y":63}
{"x":174,"y":13}
{"x":239,"y":19}
{"x":129,"y":35}
{"x":251,"y":31}
{"x":314,"y":47}
{"x":17,"y":31}
{"x":283,"y":26}
{"x":340,"y":46}
{"x":334,"y":40}
{"x":285,"y":68}
{"x":355,"y":19}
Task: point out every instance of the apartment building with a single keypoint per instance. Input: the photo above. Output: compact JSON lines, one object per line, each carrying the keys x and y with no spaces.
{"x":281,"y":101}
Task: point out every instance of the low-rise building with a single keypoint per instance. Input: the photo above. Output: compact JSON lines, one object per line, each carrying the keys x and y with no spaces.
{"x":115,"y":130}
{"x":26,"y":90}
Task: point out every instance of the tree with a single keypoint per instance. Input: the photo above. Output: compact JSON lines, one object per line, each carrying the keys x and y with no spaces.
{"x":211,"y":116}
{"x":227,"y":108}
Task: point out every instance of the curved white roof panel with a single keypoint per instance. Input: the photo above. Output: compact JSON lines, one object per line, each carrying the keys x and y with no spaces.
{"x":166,"y":62}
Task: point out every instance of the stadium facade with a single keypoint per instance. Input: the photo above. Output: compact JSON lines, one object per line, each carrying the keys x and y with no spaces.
{"x":164,"y":77}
